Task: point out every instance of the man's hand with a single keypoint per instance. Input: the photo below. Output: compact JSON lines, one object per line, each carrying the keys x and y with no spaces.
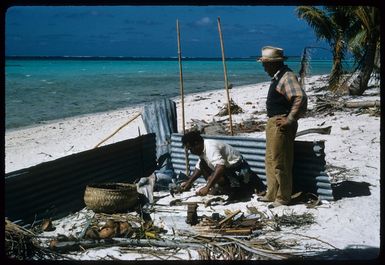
{"x":282,"y":122}
{"x":186,"y":185}
{"x":203,"y":191}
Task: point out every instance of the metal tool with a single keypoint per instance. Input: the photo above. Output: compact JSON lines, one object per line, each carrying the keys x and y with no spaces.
{"x":175,"y":187}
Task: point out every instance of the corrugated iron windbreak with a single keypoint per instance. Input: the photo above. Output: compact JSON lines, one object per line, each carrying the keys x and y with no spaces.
{"x":309,"y":161}
{"x":57,"y":187}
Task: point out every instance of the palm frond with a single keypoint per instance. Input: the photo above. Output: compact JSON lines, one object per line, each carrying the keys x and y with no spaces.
{"x":346,"y":28}
{"x":369,"y":17}
{"x":318,"y":20}
{"x":356,"y":44}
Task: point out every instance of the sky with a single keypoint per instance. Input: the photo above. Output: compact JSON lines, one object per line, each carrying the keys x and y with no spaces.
{"x":150,"y":31}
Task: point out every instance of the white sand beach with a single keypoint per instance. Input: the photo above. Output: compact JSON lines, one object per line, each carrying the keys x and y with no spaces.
{"x":351,"y":224}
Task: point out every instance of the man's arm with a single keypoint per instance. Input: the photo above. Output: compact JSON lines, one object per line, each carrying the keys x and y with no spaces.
{"x":188,"y":184}
{"x":217,"y":174}
{"x":291,"y":89}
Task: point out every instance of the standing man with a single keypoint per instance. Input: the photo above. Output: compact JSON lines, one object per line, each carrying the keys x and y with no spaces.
{"x":223,"y":167}
{"x":286,"y":103}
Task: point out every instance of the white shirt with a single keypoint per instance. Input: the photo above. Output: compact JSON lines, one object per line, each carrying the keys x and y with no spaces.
{"x":218,"y":153}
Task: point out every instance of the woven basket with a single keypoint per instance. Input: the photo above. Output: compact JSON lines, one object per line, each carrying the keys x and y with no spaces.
{"x":111,"y":197}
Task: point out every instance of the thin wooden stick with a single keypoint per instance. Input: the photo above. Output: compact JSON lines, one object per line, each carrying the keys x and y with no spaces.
{"x":231,"y":216}
{"x":121,"y":127}
{"x":182,"y":95}
{"x":312,"y":237}
{"x":225,"y":73}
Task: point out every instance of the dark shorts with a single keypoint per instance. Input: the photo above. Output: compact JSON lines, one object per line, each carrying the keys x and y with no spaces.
{"x":239,"y":177}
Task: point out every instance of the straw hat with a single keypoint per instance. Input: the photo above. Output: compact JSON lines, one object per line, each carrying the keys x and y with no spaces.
{"x":272,"y":54}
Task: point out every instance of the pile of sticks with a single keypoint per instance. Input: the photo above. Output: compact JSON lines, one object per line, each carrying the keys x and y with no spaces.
{"x":22,"y":244}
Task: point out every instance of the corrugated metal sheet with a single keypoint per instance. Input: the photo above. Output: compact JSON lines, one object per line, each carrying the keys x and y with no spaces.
{"x":309,"y":161}
{"x":160,"y":118}
{"x":56,"y":188}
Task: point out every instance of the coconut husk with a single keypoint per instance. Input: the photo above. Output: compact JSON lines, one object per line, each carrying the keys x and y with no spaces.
{"x":92,"y":233}
{"x":107,"y":232}
{"x":125,"y":229}
{"x":47,"y":225}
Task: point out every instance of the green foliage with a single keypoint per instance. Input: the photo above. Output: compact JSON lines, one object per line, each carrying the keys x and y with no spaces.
{"x":347,"y":28}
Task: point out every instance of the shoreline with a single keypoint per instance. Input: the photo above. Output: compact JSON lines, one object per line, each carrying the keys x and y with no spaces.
{"x":134,"y":106}
{"x":31,"y":145}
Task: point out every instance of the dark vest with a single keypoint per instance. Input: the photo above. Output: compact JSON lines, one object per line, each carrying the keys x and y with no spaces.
{"x":276,"y":103}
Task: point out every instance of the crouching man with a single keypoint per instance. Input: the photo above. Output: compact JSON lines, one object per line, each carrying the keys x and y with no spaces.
{"x":223,"y":167}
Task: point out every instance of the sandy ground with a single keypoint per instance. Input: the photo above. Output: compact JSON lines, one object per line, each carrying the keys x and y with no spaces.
{"x":350,"y":225}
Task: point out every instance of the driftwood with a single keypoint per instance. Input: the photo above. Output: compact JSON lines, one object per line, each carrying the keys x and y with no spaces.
{"x":325,"y":130}
{"x":68,"y":246}
{"x":362,"y":104}
{"x":329,"y":103}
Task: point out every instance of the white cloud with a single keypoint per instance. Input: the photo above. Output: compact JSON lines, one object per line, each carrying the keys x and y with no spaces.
{"x":204,"y":21}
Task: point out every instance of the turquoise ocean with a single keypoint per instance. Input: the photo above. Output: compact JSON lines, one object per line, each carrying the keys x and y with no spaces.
{"x":40,"y":89}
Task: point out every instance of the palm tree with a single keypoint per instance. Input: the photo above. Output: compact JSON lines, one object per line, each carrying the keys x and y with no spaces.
{"x":329,"y":24}
{"x":364,"y":40}
{"x":353,"y":28}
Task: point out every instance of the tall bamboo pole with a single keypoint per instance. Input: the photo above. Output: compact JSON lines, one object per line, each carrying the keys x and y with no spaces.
{"x":225,"y":73}
{"x":182,"y":95}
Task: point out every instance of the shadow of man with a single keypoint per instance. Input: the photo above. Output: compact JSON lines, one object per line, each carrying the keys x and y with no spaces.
{"x":348,"y":189}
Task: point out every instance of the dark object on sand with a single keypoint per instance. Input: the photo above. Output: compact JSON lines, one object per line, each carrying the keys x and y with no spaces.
{"x":192,"y":216}
{"x":234,"y":109}
{"x":111,"y":197}
{"x":324,"y":130}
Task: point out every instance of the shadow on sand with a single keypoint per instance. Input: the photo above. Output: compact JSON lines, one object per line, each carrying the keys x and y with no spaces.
{"x":346,"y":189}
{"x":353,"y":253}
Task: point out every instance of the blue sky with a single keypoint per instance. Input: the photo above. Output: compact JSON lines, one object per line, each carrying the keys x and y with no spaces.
{"x":150,"y":31}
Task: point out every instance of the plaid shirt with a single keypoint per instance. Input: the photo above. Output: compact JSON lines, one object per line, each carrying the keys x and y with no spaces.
{"x":290,"y":88}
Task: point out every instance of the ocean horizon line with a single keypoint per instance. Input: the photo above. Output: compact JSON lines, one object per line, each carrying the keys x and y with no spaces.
{"x":140,"y":58}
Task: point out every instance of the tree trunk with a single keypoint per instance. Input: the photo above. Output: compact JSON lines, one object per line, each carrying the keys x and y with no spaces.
{"x":336,"y":72}
{"x":358,"y":82}
{"x":377,"y":57}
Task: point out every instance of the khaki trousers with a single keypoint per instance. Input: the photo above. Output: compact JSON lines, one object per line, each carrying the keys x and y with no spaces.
{"x":279,"y":161}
